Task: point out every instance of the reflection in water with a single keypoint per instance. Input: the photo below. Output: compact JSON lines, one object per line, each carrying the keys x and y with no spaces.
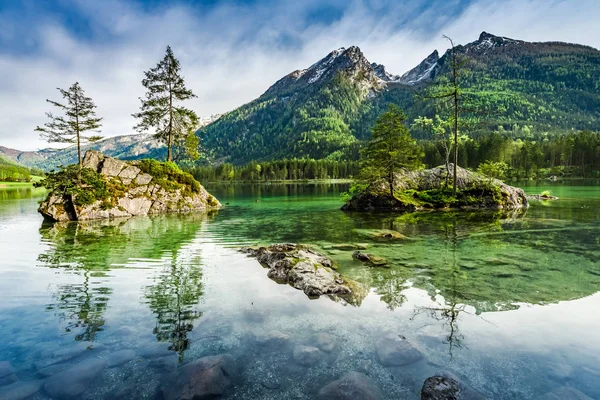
{"x":172,"y":298}
{"x":90,"y":250}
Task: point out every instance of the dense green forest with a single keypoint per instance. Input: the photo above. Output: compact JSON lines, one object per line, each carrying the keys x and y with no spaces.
{"x":296,"y":169}
{"x":12,"y":172}
{"x":528,"y":95}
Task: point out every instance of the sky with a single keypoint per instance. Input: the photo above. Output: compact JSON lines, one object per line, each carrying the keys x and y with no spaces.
{"x":232,"y":51}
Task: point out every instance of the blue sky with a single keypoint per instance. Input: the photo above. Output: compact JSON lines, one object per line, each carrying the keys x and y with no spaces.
{"x":232,"y":51}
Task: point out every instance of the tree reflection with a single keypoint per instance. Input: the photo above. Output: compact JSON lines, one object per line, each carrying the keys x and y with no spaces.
{"x":173,"y":298}
{"x":87,"y":251}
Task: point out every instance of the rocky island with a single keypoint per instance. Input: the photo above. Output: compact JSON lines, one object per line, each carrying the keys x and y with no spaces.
{"x":432,"y":189}
{"x":109,"y":188}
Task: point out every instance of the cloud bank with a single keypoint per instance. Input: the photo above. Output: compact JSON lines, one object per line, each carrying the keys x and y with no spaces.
{"x":231,"y":52}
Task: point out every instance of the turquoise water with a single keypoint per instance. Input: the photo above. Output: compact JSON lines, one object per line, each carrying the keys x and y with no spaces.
{"x":506,"y":301}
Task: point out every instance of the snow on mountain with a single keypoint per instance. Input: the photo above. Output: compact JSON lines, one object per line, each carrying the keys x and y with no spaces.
{"x":425,"y":71}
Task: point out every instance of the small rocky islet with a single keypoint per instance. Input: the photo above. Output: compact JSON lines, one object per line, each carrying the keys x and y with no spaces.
{"x":432,"y":189}
{"x":106,"y":187}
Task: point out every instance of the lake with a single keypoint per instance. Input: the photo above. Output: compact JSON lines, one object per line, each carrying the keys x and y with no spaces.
{"x":506,"y":302}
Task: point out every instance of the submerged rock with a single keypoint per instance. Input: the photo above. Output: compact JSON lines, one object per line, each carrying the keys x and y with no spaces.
{"x":370,"y":259}
{"x":302,"y":268}
{"x":415,"y":190}
{"x":564,"y":393}
{"x":7,"y":373}
{"x":323,"y":341}
{"x":20,"y":390}
{"x":440,"y":388}
{"x":113,"y":188}
{"x":205,"y":378}
{"x":271,"y":339}
{"x":120,"y":357}
{"x":307,"y":356}
{"x":73,"y":381}
{"x":351,"y":386}
{"x":396,"y":350}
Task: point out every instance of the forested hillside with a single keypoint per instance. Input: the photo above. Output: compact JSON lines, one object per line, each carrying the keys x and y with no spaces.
{"x":528,"y":91}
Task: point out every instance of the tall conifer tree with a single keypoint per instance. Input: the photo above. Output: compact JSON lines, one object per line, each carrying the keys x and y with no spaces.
{"x":79,"y":117}
{"x":165,"y":88}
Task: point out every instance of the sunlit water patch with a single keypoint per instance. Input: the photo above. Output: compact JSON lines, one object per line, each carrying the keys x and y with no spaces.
{"x":505,"y":301}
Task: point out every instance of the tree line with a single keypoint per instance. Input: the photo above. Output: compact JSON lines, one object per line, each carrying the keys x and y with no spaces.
{"x":294,"y":169}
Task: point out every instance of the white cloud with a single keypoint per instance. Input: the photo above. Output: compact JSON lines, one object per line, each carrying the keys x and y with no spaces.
{"x":232,"y":54}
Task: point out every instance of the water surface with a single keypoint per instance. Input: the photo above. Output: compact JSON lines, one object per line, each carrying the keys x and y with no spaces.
{"x":506,"y":301}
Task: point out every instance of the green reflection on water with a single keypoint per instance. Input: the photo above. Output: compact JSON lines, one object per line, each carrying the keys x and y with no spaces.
{"x":90,"y":250}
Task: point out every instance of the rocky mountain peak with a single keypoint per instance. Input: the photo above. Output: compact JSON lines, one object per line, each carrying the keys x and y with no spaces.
{"x":381,"y":73}
{"x":488,"y":41}
{"x":423,"y":72}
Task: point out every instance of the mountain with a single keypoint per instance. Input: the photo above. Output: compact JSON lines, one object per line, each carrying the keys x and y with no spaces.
{"x":125,"y":147}
{"x":325,"y":110}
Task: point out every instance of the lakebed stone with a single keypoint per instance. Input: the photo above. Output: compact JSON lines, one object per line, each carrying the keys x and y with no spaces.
{"x":7,"y":373}
{"x":302,"y":268}
{"x":204,"y":378}
{"x":20,"y":390}
{"x":323,"y":341}
{"x":72,"y":382}
{"x":132,"y":192}
{"x":440,"y":388}
{"x":351,"y":386}
{"x":307,"y":356}
{"x":120,"y":357}
{"x":396,"y":350}
{"x":565,"y":393}
{"x":369,"y":259}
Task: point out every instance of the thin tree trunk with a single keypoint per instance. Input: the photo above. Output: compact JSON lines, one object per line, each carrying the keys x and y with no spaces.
{"x":455,"y":119}
{"x":170,"y":145}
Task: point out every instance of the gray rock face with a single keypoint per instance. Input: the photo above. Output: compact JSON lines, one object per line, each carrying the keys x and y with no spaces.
{"x":302,"y":268}
{"x":440,"y":388}
{"x":205,"y":378}
{"x":395,"y":350}
{"x":140,"y":195}
{"x":351,"y":386}
{"x":307,"y":356}
{"x":72,"y":382}
{"x":377,"y":197}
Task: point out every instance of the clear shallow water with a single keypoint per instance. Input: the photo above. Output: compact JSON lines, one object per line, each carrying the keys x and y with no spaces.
{"x":507,"y":302}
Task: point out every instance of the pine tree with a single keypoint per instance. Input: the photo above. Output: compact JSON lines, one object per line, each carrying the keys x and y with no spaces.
{"x":165,"y":87}
{"x":391,"y":149}
{"x":79,"y":118}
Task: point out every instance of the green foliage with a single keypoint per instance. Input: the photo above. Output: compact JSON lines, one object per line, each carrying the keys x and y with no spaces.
{"x":390,"y":149}
{"x":12,"y":172}
{"x":546,"y":193}
{"x":169,"y":176}
{"x":165,"y":87}
{"x":85,"y":185}
{"x":277,"y":171}
{"x":80,"y":117}
{"x":354,"y":190}
{"x":493,"y":169}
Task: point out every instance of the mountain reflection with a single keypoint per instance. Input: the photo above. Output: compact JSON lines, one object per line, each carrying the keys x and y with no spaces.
{"x":88,"y":251}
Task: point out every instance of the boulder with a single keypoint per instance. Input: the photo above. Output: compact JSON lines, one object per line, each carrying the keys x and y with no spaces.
{"x":323,"y":341}
{"x":475,"y":191}
{"x":307,"y":356}
{"x":396,"y":350}
{"x":271,"y":339}
{"x":20,"y":390}
{"x":131,"y":192}
{"x":72,"y":382}
{"x":440,"y":388}
{"x":205,"y":378}
{"x":302,"y":268}
{"x":370,"y":259}
{"x":166,"y":363}
{"x":351,"y":386}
